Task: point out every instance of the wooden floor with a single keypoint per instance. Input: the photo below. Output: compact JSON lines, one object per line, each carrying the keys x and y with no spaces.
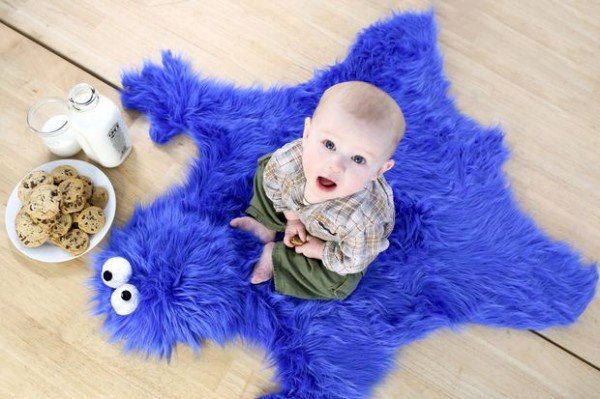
{"x":531,"y":66}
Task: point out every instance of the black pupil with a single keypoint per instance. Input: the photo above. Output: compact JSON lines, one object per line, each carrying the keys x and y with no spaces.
{"x":126,"y":295}
{"x":107,"y":275}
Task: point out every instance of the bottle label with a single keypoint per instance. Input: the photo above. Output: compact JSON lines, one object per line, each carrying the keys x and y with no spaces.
{"x":117,"y":138}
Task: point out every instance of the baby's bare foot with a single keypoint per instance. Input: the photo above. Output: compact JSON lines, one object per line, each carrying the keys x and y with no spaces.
{"x":252,"y":225}
{"x":263,"y":271}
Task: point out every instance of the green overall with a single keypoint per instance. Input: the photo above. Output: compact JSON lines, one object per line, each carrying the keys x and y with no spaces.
{"x":295,"y":274}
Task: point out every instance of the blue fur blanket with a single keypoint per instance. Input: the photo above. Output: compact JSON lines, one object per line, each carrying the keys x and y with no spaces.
{"x":462,"y":250}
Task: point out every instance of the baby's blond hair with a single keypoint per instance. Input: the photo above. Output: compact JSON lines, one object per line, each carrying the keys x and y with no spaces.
{"x":367,"y":102}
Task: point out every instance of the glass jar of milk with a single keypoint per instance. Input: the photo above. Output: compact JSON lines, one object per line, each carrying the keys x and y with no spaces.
{"x":48,"y":118}
{"x":99,"y":126}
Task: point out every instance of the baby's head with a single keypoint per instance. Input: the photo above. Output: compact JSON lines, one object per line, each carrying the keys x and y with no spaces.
{"x":350,"y":139}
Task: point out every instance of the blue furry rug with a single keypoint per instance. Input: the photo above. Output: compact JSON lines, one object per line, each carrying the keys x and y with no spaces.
{"x":462,"y":250}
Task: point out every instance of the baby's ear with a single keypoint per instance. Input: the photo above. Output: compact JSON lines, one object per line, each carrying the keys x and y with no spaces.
{"x":387,"y":165}
{"x":306,"y":132}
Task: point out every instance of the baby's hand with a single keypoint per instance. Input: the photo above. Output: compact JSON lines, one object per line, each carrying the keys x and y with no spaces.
{"x":313,"y":248}
{"x":292,"y":228}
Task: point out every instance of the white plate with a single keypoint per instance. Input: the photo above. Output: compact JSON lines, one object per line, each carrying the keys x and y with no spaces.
{"x":48,"y":252}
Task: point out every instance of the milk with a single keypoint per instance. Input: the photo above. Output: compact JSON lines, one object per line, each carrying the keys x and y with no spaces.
{"x":63,"y":143}
{"x":98,"y":125}
{"x":48,"y":119}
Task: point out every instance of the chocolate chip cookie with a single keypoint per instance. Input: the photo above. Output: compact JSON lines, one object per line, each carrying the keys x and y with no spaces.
{"x":71,"y":207}
{"x":31,"y":181}
{"x":55,"y":240}
{"x":75,"y":242}
{"x":71,"y":189}
{"x":91,"y":220}
{"x":74,"y":216}
{"x":30,"y":233}
{"x":46,"y":223}
{"x":62,"y":173}
{"x":43,"y":202}
{"x":61,"y":225}
{"x":99,"y":197}
{"x":88,"y":186}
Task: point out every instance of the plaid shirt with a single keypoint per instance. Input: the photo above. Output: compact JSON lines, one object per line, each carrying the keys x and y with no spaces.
{"x":355,"y":228}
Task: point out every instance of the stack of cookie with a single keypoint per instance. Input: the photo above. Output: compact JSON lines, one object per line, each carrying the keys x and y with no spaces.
{"x":62,"y":207}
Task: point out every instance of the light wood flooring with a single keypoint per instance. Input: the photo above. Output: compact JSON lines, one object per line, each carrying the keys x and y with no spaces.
{"x":531,"y":66}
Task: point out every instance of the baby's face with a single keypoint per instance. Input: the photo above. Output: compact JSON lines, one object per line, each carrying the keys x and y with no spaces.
{"x":342,"y":155}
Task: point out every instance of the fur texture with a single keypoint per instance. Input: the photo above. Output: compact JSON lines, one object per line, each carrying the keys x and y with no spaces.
{"x":461,"y":252}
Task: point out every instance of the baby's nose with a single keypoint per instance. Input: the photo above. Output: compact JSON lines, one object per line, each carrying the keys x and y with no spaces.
{"x":337,"y":164}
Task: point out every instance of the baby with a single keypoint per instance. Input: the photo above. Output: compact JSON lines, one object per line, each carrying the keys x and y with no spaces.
{"x":327,"y":188}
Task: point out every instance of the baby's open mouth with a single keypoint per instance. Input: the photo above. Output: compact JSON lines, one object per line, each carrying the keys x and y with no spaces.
{"x":325,"y":184}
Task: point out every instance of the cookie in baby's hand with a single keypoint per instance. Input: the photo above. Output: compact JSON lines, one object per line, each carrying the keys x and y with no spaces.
{"x":296,"y":241}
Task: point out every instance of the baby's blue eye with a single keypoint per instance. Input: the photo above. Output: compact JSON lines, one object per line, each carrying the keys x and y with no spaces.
{"x":329,"y":144}
{"x":359,"y":159}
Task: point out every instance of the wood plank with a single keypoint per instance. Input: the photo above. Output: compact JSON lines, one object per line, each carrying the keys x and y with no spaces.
{"x":548,"y":371}
{"x":482,"y":363}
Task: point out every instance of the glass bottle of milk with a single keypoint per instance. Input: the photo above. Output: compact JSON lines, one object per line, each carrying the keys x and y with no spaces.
{"x":98,"y":126}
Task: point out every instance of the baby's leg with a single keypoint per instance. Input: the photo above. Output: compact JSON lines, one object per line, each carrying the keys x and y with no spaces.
{"x":302,"y":277}
{"x":263,"y":233}
{"x":263,"y":271}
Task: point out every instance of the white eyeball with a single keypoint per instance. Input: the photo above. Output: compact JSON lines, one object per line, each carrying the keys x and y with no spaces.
{"x":116,"y":272}
{"x":125,"y":299}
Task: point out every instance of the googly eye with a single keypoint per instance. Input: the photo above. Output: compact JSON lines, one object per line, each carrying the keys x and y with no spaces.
{"x":125,"y":299}
{"x":116,"y":272}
